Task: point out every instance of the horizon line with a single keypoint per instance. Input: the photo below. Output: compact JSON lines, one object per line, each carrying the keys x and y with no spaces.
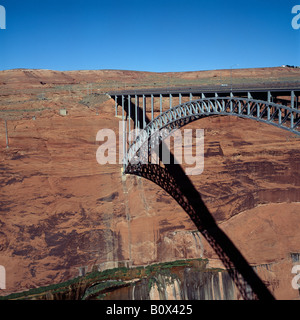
{"x":144,"y":71}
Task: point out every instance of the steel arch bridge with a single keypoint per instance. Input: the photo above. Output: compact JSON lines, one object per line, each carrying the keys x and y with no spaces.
{"x":278,"y":115}
{"x":275,"y":106}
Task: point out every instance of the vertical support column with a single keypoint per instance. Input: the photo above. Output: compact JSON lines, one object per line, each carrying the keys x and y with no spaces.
{"x":144,"y":111}
{"x":216,"y":103}
{"x":248,"y":104}
{"x":231,"y":95}
{"x":180,"y":98}
{"x":152,"y":107}
{"x":203,"y":97}
{"x":269,"y":96}
{"x":279,"y":115}
{"x":191,"y":96}
{"x":136,"y":111}
{"x":170,"y":97}
{"x":160,"y":103}
{"x":292,"y":120}
{"x":269,"y":100}
{"x":129,"y":113}
{"x":293,"y":106}
{"x":123,"y":115}
{"x":292,"y":99}
{"x":116,"y":105}
{"x":124,"y":134}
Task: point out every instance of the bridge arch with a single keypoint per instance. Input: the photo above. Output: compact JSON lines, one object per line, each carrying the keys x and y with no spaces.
{"x":173,"y":180}
{"x":281,"y":116}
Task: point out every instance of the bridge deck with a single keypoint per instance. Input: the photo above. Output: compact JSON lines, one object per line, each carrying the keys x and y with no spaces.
{"x":279,"y":88}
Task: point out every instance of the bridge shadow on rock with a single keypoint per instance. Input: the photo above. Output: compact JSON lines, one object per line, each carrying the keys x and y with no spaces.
{"x":172,"y":178}
{"x":174,"y":181}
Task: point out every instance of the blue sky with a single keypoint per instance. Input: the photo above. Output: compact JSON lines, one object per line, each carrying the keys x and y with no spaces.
{"x":163,"y":35}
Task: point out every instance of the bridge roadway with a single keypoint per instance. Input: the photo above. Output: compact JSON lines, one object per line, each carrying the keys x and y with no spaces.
{"x":276,"y":88}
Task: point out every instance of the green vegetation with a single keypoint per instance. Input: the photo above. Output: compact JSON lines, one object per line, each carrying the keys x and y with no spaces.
{"x":100,"y":287}
{"x":161,"y":267}
{"x":96,"y":282}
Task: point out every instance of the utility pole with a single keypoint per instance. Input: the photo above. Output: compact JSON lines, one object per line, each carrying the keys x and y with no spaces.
{"x":6,"y":134}
{"x":89,"y":89}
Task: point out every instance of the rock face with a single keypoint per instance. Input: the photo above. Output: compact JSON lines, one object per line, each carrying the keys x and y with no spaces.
{"x":188,"y":279}
{"x":187,"y":284}
{"x":62,"y":214}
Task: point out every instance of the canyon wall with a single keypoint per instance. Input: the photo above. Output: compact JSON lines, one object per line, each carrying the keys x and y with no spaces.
{"x":62,"y":214}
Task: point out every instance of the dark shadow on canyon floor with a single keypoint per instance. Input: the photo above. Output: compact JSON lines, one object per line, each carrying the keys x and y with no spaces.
{"x":174,"y":181}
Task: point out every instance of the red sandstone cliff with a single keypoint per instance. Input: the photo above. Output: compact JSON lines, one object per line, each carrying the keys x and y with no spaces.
{"x":60,"y":210}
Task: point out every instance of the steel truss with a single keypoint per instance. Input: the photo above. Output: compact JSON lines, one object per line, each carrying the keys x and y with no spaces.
{"x":150,"y":137}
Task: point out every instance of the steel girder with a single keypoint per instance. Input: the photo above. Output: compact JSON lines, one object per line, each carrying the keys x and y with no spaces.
{"x":176,"y":117}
